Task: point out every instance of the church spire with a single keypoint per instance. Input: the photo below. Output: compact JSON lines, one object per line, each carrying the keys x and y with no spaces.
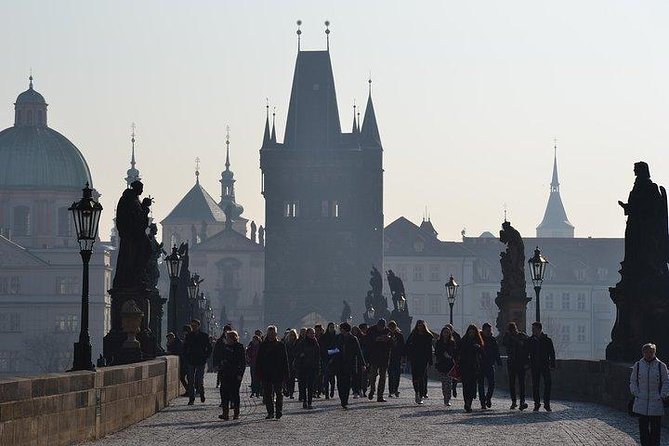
{"x":355,"y":129}
{"x":227,"y":148}
{"x":555,"y":222}
{"x":266,"y":140}
{"x":555,"y":184}
{"x":370,"y":129}
{"x":273,"y":137}
{"x":132,"y":173}
{"x":227,"y":203}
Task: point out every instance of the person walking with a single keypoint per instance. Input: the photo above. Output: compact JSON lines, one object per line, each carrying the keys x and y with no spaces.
{"x":327,"y":342}
{"x":251,"y":359}
{"x":347,"y":355}
{"x":650,"y":387}
{"x":230,"y":362}
{"x":197,"y":349}
{"x":456,"y":337}
{"x":396,"y":355}
{"x":489,"y":359}
{"x":419,"y":354}
{"x":307,"y":361}
{"x":542,"y":361}
{"x":318,"y":329}
{"x":515,"y":343}
{"x":273,"y":370}
{"x":175,"y":346}
{"x":381,"y":343}
{"x":445,"y":350}
{"x":356,"y":376}
{"x":470,"y":352}
{"x":291,"y":341}
{"x":364,"y":346}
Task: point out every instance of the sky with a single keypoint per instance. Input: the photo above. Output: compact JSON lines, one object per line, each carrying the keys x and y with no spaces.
{"x":468,"y":95}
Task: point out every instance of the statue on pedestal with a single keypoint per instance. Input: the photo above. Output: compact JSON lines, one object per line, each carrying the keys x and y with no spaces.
{"x":512,"y":298}
{"x":375,"y":300}
{"x":642,"y":295}
{"x":346,"y":314}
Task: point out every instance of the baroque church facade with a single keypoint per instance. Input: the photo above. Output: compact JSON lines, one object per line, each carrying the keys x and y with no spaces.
{"x":41,"y":174}
{"x":323,"y":191}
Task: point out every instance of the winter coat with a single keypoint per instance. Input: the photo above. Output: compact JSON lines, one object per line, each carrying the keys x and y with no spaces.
{"x":229,"y":359}
{"x":307,"y":355}
{"x":469,"y":358}
{"x":397,"y":350}
{"x":197,"y":348}
{"x":380,"y":345}
{"x":350,"y":355}
{"x":649,"y":383}
{"x":541,"y":351}
{"x":290,"y":351}
{"x":490,"y":355}
{"x":516,"y":349}
{"x":252,"y":353}
{"x":175,"y":347}
{"x":419,"y":349}
{"x":272,"y":362}
{"x":444,"y":353}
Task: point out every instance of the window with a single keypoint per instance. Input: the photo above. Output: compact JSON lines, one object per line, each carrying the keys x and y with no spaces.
{"x":67,"y":323}
{"x":8,"y":360}
{"x":418,"y":273}
{"x":335,"y":209}
{"x":419,"y":245}
{"x":565,"y":301}
{"x":486,"y":300}
{"x":21,"y":221}
{"x":580,"y":275}
{"x":580,"y":336}
{"x":580,"y":301}
{"x":30,"y":117}
{"x":435,"y":307}
{"x":10,"y":322}
{"x":64,"y":222}
{"x":418,"y":305}
{"x":602,"y":273}
{"x":10,"y":285}
{"x":67,"y":285}
{"x":435,"y":273}
{"x":566,"y":335}
{"x":549,"y":304}
{"x":401,"y":272}
{"x":229,"y":274}
{"x":40,"y":117}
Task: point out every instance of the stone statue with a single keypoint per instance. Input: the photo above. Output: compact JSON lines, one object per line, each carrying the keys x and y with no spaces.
{"x":376,"y":282}
{"x":253,"y":231}
{"x":396,"y":288}
{"x":512,"y":260}
{"x":261,"y":236}
{"x":132,"y":220}
{"x":369,"y":299}
{"x":152,"y":271}
{"x":646,"y":238}
{"x":346,"y":313}
{"x":229,"y":216}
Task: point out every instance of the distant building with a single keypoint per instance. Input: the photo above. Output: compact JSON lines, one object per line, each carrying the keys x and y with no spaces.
{"x":323,"y":192}
{"x":41,"y":175}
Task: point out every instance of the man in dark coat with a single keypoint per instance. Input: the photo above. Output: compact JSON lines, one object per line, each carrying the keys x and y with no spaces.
{"x":347,"y":355}
{"x":273,"y":370}
{"x":396,"y":355}
{"x":380,"y":344}
{"x":307,"y":363}
{"x":542,"y":360}
{"x":197,"y":349}
{"x":515,"y":344}
{"x":489,"y":359}
{"x":176,"y":347}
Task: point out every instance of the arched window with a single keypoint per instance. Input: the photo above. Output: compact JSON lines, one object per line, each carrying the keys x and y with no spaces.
{"x":64,"y":223}
{"x":21,"y":221}
{"x":30,"y":117}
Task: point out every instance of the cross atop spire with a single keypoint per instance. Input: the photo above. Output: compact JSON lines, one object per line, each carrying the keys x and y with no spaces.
{"x":327,"y":34}
{"x":299,"y":34}
{"x":555,"y":184}
{"x":132,"y":174}
{"x":273,"y":136}
{"x":197,"y":170}
{"x":30,"y":80}
{"x":227,"y":147}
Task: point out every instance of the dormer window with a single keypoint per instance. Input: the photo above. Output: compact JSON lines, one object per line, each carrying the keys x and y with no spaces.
{"x":419,"y":245}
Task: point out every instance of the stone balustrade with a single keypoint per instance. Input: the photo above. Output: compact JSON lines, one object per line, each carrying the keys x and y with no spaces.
{"x":66,"y":408}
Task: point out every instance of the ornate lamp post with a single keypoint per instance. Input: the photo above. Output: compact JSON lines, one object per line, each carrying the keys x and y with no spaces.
{"x":538,"y":269}
{"x":86,"y":213}
{"x":173,"y":262}
{"x":193,"y":291}
{"x":369,"y":314}
{"x":451,"y":294}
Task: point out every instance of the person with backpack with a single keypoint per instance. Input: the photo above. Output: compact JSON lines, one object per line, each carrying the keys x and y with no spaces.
{"x":650,"y":387}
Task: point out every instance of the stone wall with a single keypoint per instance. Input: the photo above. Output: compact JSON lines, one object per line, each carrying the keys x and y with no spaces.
{"x":66,"y":408}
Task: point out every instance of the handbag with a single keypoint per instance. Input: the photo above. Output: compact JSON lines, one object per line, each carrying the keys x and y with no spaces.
{"x":454,"y":373}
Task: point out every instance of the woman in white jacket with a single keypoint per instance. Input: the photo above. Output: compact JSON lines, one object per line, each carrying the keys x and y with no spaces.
{"x":649,"y":383}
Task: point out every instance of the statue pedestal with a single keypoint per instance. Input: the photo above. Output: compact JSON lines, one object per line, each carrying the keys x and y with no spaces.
{"x":512,"y":308}
{"x":114,"y":351}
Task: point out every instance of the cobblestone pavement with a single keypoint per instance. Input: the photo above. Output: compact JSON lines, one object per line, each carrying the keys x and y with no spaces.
{"x":397,"y":422}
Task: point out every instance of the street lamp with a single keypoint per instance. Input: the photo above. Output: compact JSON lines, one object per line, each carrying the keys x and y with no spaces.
{"x":538,"y":269}
{"x":173,"y":263}
{"x":451,"y":293}
{"x":193,"y":290}
{"x":86,"y":213}
{"x":402,"y":304}
{"x":370,"y":314}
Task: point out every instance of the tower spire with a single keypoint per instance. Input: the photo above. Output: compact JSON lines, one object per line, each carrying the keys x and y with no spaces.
{"x":227,"y":147}
{"x":555,"y":222}
{"x":266,"y":136}
{"x":132,"y":174}
{"x":370,"y":129}
{"x":30,"y":79}
{"x":299,"y":34}
{"x":555,"y":184}
{"x":327,"y":34}
{"x":355,"y":123}
{"x":273,"y":137}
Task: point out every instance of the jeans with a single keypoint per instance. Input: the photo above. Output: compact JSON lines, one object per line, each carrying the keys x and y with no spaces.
{"x":394,"y":372}
{"x":290,"y":383}
{"x":343,"y":387}
{"x":230,"y":391}
{"x":380,"y":370}
{"x":517,"y":374}
{"x":273,"y":397}
{"x":446,"y":387}
{"x":255,"y":382}
{"x":195,"y":380}
{"x":649,"y":430}
{"x":538,"y":374}
{"x":487,"y":374}
{"x":306,"y":383}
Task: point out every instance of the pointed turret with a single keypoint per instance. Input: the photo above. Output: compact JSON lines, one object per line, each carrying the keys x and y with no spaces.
{"x":132,"y":173}
{"x":370,"y":129}
{"x":355,"y":128}
{"x":266,"y":140}
{"x":555,"y":222}
{"x":228,"y":184}
{"x":273,"y":137}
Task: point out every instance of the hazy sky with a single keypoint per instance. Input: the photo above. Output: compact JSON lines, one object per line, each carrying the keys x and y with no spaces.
{"x":468,"y":95}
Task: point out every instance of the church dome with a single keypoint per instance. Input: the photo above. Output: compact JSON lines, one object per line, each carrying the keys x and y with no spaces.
{"x":34,"y":156}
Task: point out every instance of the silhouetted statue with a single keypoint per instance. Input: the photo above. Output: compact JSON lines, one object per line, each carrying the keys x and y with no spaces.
{"x":376,"y":281}
{"x":253,"y":231}
{"x":132,"y":220}
{"x":152,"y":271}
{"x":229,"y":216}
{"x":369,"y":299}
{"x":261,"y":236}
{"x":346,"y":313}
{"x":396,"y":288}
{"x":512,"y":260}
{"x":646,"y":239}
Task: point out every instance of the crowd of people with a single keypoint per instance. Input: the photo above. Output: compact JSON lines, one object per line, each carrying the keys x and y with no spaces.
{"x":359,"y":361}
